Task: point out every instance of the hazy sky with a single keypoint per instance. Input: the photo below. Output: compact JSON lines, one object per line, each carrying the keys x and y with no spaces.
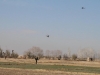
{"x":25,"y":23}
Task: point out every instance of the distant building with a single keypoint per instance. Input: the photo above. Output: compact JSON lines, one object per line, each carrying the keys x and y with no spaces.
{"x":89,"y":59}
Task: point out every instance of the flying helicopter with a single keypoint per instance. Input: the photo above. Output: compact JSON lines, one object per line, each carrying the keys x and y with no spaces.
{"x":47,"y":35}
{"x":83,"y":8}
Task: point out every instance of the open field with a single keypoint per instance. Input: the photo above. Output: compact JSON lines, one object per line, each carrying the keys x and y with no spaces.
{"x":48,"y":67}
{"x":13,"y":71}
{"x":53,"y":62}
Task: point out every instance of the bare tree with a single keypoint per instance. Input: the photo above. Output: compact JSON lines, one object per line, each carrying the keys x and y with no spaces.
{"x":56,"y":54}
{"x":74,"y":56}
{"x":59,"y":57}
{"x":36,"y":58}
{"x":28,"y":54}
{"x":59,"y":54}
{"x":86,"y":52}
{"x":65,"y":57}
{"x":8,"y":54}
{"x":48,"y":54}
{"x":34,"y":52}
{"x":98,"y":56}
{"x":16,"y":55}
{"x":69,"y":53}
{"x":12,"y":55}
{"x":1,"y":53}
{"x":5,"y":56}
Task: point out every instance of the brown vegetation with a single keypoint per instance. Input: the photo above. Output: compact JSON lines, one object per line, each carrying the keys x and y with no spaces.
{"x":14,"y":71}
{"x":53,"y":62}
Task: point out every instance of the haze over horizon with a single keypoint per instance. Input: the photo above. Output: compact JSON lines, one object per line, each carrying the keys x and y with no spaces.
{"x":25,"y":23}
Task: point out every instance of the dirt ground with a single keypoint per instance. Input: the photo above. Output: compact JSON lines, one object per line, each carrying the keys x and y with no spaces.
{"x":54,"y":62}
{"x":13,"y":71}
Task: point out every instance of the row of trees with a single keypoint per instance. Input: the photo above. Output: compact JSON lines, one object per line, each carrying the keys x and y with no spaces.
{"x":8,"y":54}
{"x":53,"y":54}
{"x":50,"y":54}
{"x":57,"y":54}
{"x":87,"y":52}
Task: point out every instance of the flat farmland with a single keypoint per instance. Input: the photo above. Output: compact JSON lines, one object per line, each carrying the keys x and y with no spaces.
{"x":48,"y":67}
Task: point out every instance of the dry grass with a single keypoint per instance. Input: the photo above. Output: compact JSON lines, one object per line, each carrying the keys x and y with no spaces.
{"x":13,"y":71}
{"x":53,"y":62}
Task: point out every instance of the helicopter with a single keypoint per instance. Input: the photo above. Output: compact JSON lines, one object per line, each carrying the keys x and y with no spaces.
{"x":47,"y":35}
{"x":83,"y":8}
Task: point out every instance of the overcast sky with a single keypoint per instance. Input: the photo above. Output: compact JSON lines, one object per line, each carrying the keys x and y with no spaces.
{"x":25,"y":23}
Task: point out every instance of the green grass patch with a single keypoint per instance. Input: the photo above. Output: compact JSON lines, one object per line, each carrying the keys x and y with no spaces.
{"x":67,"y":68}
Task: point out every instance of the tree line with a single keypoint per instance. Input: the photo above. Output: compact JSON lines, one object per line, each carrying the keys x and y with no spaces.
{"x":34,"y":52}
{"x":8,"y":54}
